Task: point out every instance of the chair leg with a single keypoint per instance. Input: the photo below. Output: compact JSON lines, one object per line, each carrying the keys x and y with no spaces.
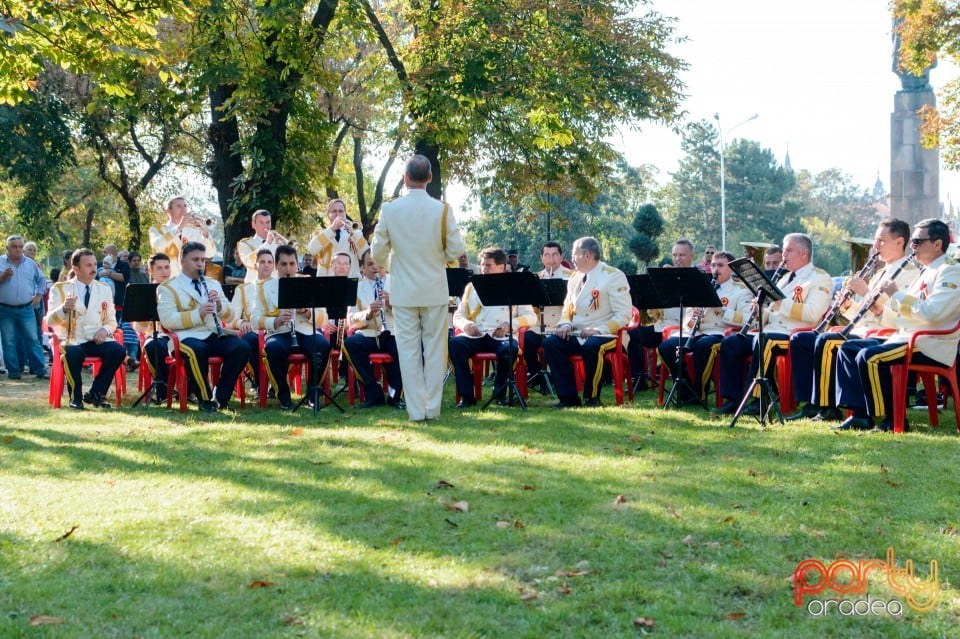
{"x":898,"y":374}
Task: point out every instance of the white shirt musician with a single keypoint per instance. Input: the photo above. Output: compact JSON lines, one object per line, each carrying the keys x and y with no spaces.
{"x":195,"y":309}
{"x":83,"y":317}
{"x":290,"y":329}
{"x":372,"y":322}
{"x":486,"y":329}
{"x":264,"y":237}
{"x":181,"y":227}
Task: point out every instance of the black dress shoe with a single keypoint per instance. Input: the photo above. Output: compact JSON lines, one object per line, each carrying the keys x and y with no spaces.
{"x":397,"y":403}
{"x":855,"y":423}
{"x":466,"y":402}
{"x":886,"y":425}
{"x":374,"y":401}
{"x":75,"y":405}
{"x":96,"y":399}
{"x":208,"y":406}
{"x":808,"y":411}
{"x":593,"y":402}
{"x":828,"y":415}
{"x":729,"y":408}
{"x":286,"y":406}
{"x":568,"y":402}
{"x":42,"y":376}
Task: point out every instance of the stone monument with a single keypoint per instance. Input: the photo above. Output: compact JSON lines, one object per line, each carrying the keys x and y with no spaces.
{"x":914,"y":170}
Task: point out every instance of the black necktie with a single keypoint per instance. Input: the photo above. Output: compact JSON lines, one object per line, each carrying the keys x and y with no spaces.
{"x":196,"y":285}
{"x":790,"y":279}
{"x":86,"y":296}
{"x":337,"y":234}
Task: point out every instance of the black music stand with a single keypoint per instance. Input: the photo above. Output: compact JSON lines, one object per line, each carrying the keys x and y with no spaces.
{"x":140,"y":305}
{"x":510,"y":289}
{"x":457,"y":279}
{"x":314,"y":292}
{"x":644,"y":296}
{"x":683,"y":288}
{"x":556,"y":291}
{"x":764,"y":290}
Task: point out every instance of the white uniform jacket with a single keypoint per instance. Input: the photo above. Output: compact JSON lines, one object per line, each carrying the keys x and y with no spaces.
{"x":168,"y":239}
{"x":487,"y":318}
{"x":600,"y":300}
{"x":324,"y":245}
{"x":370,"y":327}
{"x":87,"y":320}
{"x":415,"y":239}
{"x":243,"y":302}
{"x":808,"y":297}
{"x":733,"y":310}
{"x":869,"y":320}
{"x":178,"y":306}
{"x":265,"y":311}
{"x":932,"y":302}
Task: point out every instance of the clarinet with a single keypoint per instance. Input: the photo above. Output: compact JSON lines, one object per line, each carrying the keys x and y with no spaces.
{"x":216,"y":318}
{"x":869,"y":302}
{"x":378,"y":294}
{"x":864,"y":273}
{"x":293,"y":329}
{"x":753,"y":314}
{"x":687,"y":345}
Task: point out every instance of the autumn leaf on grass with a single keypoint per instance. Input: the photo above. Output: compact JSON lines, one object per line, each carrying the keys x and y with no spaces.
{"x":895,"y":484}
{"x":443,"y":484}
{"x":66,"y":534}
{"x":564,"y":589}
{"x":735,"y":615}
{"x":516,"y":523}
{"x":395,"y":541}
{"x":45,"y":620}
{"x":620,"y":499}
{"x":574,"y":573}
{"x":257,"y":583}
{"x":457,"y":506}
{"x":292,"y":621}
{"x":532,"y":451}
{"x":296,"y":432}
{"x":687,"y":540}
{"x":529,"y":595}
{"x":643,"y":622}
{"x":528,"y":487}
{"x":729,"y":520}
{"x":883,"y":469}
{"x":8,"y":440}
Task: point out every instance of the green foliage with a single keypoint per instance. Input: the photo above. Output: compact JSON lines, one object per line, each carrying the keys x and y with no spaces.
{"x":648,"y":225}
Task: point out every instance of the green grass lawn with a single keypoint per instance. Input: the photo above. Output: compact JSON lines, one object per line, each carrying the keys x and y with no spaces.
{"x":492,"y":524}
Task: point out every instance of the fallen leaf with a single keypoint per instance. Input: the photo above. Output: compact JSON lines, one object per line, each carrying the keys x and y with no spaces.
{"x":110,"y":482}
{"x":574,"y":573}
{"x":776,"y":453}
{"x":688,"y":539}
{"x":895,"y":484}
{"x":503,"y":524}
{"x":621,"y":499}
{"x":532,"y":451}
{"x":66,"y":534}
{"x":564,"y":589}
{"x":673,"y":511}
{"x":443,"y":484}
{"x":643,"y":622}
{"x":292,"y":621}
{"x":296,"y":432}
{"x":45,"y":620}
{"x":883,"y":469}
{"x":528,"y":487}
{"x":451,"y":523}
{"x":459,"y":506}
{"x":752,"y":473}
{"x":737,"y":543}
{"x":518,"y":524}
{"x":529,"y":595}
{"x":8,"y":440}
{"x":257,"y":583}
{"x":634,"y":439}
{"x":729,"y":520}
{"x":806,"y":503}
{"x":950,"y":530}
{"x":735,"y":615}
{"x":395,"y":541}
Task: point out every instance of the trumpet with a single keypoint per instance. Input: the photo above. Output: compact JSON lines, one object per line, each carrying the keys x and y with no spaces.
{"x":781,"y":269}
{"x":341,"y":330}
{"x":71,"y":338}
{"x":864,"y":273}
{"x":870,"y":301}
{"x":355,"y":226}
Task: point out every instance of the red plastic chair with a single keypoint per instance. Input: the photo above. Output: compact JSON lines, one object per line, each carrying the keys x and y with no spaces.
{"x":691,"y":371}
{"x":618,"y":360}
{"x":480,"y":364}
{"x":177,"y":375}
{"x":58,"y":378}
{"x":296,"y":371}
{"x":379,"y":360}
{"x":929,"y":374}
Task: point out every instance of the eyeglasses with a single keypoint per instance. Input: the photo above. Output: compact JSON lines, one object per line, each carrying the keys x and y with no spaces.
{"x":917,"y":241}
{"x":709,"y":252}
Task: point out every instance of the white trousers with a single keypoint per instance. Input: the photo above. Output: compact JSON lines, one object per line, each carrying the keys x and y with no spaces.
{"x":421,"y":333}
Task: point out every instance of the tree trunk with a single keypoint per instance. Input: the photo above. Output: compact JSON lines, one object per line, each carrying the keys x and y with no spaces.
{"x":431,"y":151}
{"x":226,"y":167}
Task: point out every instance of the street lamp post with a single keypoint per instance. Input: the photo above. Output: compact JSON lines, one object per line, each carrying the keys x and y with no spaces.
{"x":723,"y":190}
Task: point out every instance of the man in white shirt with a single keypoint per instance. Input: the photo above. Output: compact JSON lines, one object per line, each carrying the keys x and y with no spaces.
{"x":264,"y":237}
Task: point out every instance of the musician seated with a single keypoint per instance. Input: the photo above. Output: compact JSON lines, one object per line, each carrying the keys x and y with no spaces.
{"x":282,"y":324}
{"x":551,"y":255}
{"x":596,"y":307}
{"x":931,"y":302}
{"x":372,"y":319}
{"x":485,"y":329}
{"x":713,"y":322}
{"x":193,"y":306}
{"x":244,"y":303}
{"x":813,"y":354}
{"x":808,"y":291}
{"x":83,"y":317}
{"x":155,"y":352}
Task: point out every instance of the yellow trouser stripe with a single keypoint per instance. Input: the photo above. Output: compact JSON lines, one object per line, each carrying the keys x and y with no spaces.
{"x":827,"y":365}
{"x":873,"y":376}
{"x":346,"y":354}
{"x":598,"y":373}
{"x":71,"y":383}
{"x":707,"y":371}
{"x":766,"y":360}
{"x":193,"y":369}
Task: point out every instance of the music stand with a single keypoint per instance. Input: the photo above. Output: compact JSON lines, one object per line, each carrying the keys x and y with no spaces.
{"x":556,"y":291}
{"x":644,"y":296}
{"x":140,"y":305}
{"x":683,"y":288}
{"x":510,"y":289}
{"x":764,"y":290}
{"x":457,"y":279}
{"x":314,"y":292}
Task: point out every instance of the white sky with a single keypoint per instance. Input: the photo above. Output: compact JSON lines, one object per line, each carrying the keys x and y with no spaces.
{"x":818,"y":73}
